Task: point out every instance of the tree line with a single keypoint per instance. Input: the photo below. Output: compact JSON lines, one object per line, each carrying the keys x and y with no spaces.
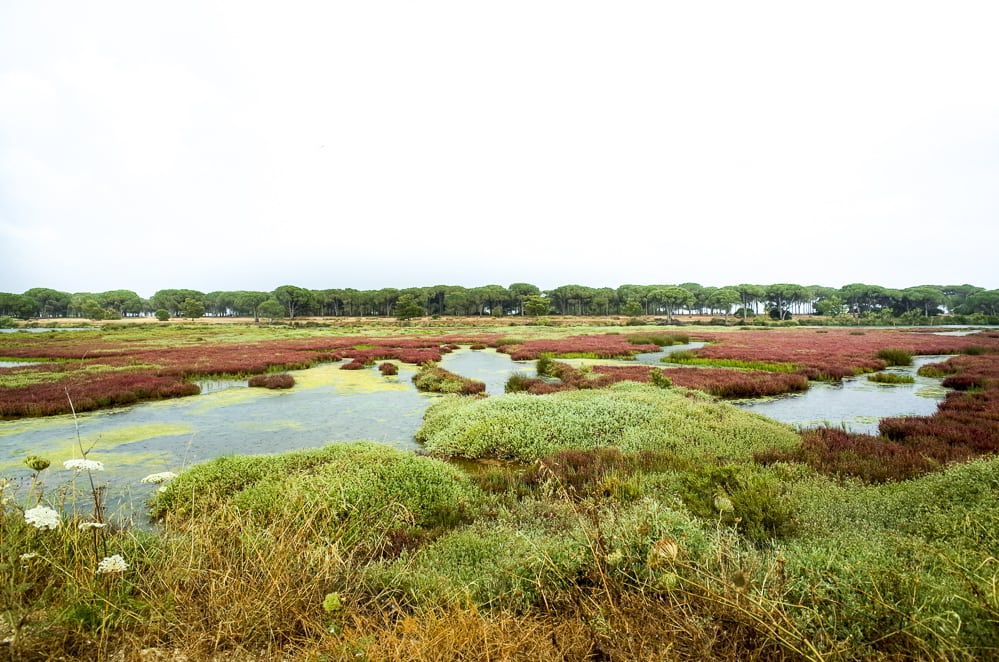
{"x":780,"y":301}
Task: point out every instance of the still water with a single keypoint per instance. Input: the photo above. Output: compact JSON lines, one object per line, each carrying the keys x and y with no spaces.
{"x":856,"y":404}
{"x":328,"y":405}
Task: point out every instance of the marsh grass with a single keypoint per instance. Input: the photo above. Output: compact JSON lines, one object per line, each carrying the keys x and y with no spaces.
{"x":687,"y":357}
{"x":559,"y":564}
{"x":636,"y":526}
{"x":893,"y":356}
{"x":628,"y":416}
{"x":890,"y":378}
{"x":434,"y":379}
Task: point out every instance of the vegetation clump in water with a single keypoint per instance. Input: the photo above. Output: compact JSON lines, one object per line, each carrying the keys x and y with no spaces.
{"x":890,"y":378}
{"x":279,"y":381}
{"x":434,"y":379}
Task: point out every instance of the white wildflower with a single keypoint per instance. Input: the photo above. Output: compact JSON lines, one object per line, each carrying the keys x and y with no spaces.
{"x":84,"y":465}
{"x":111,"y":565}
{"x":83,"y":526}
{"x":161,"y":477}
{"x":42,"y":517}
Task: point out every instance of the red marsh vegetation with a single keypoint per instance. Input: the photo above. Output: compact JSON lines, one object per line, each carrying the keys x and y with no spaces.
{"x":720,"y":382}
{"x":604,"y":346}
{"x":965,"y":425}
{"x":831,"y":353}
{"x":97,"y":370}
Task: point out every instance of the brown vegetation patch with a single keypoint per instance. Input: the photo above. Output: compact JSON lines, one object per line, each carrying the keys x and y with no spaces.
{"x":283,"y":380}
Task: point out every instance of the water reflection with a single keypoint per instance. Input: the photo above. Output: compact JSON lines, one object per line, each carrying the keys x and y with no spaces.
{"x":486,"y":365}
{"x":856,"y":403}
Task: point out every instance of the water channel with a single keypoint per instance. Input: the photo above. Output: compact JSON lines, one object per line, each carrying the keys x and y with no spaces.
{"x":328,"y":405}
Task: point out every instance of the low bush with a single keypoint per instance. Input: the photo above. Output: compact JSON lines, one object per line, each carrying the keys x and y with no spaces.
{"x":891,"y":555}
{"x":895,"y":357}
{"x":434,"y":379}
{"x":745,"y":498}
{"x":935,"y":370}
{"x":660,"y":339}
{"x":496,"y":566}
{"x":367,"y":490}
{"x":279,"y":381}
{"x":975,"y":350}
{"x":890,"y":378}
{"x":659,"y":378}
{"x":388,"y":369}
{"x":627,"y":416}
{"x":519,"y":382}
{"x":963,"y":382}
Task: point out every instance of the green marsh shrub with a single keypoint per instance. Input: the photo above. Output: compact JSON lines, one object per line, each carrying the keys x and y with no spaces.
{"x":366,"y":488}
{"x":434,"y":379}
{"x":628,"y":416}
{"x":496,"y":565}
{"x":895,"y":357}
{"x":658,"y":378}
{"x":519,"y":382}
{"x":744,"y":497}
{"x":890,"y":378}
{"x":909,"y":562}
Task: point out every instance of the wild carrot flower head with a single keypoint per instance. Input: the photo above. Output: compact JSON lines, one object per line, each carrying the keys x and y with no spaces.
{"x":111,"y":565}
{"x":37,"y":463}
{"x":161,"y":477}
{"x":723,"y":504}
{"x":84,"y":465}
{"x":42,"y":517}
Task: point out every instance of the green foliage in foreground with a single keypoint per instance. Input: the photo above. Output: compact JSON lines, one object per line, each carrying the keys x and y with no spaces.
{"x":268,"y":552}
{"x":632,"y":493}
{"x":914,"y":560}
{"x":361,"y":487}
{"x":627,"y":416}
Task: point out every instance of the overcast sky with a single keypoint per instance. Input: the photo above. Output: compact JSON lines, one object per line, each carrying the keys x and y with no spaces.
{"x":247,"y":145}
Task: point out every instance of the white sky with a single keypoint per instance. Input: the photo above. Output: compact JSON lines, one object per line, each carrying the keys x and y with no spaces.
{"x":247,"y":145}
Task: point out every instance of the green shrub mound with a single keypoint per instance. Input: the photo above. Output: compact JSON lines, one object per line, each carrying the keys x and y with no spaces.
{"x":496,"y":565}
{"x":890,"y":378}
{"x":627,"y":416}
{"x":912,"y":563}
{"x":359,"y":488}
{"x":431,"y":378}
{"x":554,"y":560}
